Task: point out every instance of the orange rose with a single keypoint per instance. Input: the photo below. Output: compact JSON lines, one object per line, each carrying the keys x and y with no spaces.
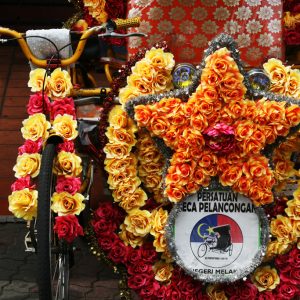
{"x":255,"y":167}
{"x":250,"y":111}
{"x":292,"y":114}
{"x":207,"y":93}
{"x":269,"y":133}
{"x":251,"y":146}
{"x":275,"y":112}
{"x":231,"y":81}
{"x":293,"y":209}
{"x":244,"y":129}
{"x":142,"y":115}
{"x":283,"y":169}
{"x":159,"y":125}
{"x":191,"y":138}
{"x":233,"y":95}
{"x":209,"y":77}
{"x":265,"y":278}
{"x":207,"y":159}
{"x":192,"y":187}
{"x":242,"y":185}
{"x":235,"y":109}
{"x":174,"y":193}
{"x":282,"y":229}
{"x":230,"y":175}
{"x":282,"y":128}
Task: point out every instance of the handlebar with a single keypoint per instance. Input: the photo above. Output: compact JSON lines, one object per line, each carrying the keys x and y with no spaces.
{"x":43,"y":63}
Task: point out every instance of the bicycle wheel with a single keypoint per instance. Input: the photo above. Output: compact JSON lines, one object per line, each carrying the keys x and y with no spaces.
{"x":202,"y":250}
{"x":53,"y":256}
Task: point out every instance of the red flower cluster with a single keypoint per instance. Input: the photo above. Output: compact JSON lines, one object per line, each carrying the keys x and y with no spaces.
{"x":63,"y":106}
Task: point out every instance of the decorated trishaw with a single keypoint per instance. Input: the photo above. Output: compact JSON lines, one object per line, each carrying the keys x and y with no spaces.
{"x":202,"y":161}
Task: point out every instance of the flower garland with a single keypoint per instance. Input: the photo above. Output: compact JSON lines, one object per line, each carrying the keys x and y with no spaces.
{"x":66,"y":201}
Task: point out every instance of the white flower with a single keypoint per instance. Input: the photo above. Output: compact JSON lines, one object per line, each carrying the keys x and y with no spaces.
{"x":165,"y":26}
{"x":243,"y":40}
{"x":275,"y":52}
{"x":187,"y":53}
{"x":274,"y":26}
{"x":274,"y":2}
{"x":145,"y":27}
{"x":188,"y":3}
{"x":209,"y":27}
{"x":199,"y":13}
{"x":134,"y":12}
{"x":232,"y":27}
{"x":177,"y":13}
{"x":199,"y":41}
{"x":155,"y":13}
{"x":187,"y":27}
{"x":221,"y":13}
{"x":253,"y":26}
{"x":207,"y":2}
{"x":265,"y":13}
{"x":164,"y":2}
{"x":231,"y":2}
{"x":254,"y":54}
{"x":253,"y":2}
{"x":134,"y":42}
{"x":243,"y":13}
{"x":265,"y":40}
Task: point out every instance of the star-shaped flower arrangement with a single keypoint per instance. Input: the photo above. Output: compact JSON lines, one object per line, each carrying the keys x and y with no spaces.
{"x":218,"y":131}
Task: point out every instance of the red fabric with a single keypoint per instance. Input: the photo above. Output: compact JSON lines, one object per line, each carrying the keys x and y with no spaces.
{"x":188,"y":26}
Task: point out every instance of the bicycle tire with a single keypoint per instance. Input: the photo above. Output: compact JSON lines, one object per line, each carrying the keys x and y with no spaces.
{"x":46,"y":239}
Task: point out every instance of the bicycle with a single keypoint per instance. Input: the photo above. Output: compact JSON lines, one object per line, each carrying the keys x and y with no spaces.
{"x":55,"y":257}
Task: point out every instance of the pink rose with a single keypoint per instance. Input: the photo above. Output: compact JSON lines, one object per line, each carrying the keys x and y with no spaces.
{"x":68,"y":184}
{"x":22,"y":183}
{"x":67,"y":146}
{"x":61,"y":107}
{"x":67,"y":228}
{"x":37,"y":104}
{"x":31,"y":147}
{"x":118,"y":252}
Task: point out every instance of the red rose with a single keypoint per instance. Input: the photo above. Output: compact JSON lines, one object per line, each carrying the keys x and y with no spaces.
{"x":161,"y":292}
{"x":294,"y":257}
{"x":67,"y":228}
{"x":68,"y":184}
{"x":109,"y":212}
{"x":102,"y":227}
{"x":189,"y":287}
{"x":292,"y":37}
{"x":290,"y":274}
{"x":241,"y":290}
{"x":277,"y":208}
{"x":107,"y":240}
{"x":266,"y":296}
{"x":148,"y":291}
{"x":61,"y":107}
{"x":67,"y":146}
{"x":118,"y":252}
{"x":140,"y":267}
{"x":133,"y":256}
{"x":37,"y":104}
{"x":139,"y":281}
{"x":148,"y":253}
{"x":173,"y":293}
{"x":31,"y":147}
{"x":22,"y":183}
{"x":286,"y":291}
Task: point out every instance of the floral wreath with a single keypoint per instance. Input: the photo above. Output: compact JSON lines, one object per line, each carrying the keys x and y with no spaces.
{"x":49,"y":100}
{"x":140,"y":244}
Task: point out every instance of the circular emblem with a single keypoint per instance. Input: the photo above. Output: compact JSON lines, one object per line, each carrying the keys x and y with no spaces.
{"x":182,"y":75}
{"x":259,"y":80}
{"x":217,"y":235}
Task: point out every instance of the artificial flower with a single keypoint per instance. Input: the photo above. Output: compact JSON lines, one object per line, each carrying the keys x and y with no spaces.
{"x":38,"y":80}
{"x":22,"y":183}
{"x":65,"y":126}
{"x":282,"y":229}
{"x":68,"y":184}
{"x":66,"y":204}
{"x":129,"y":238}
{"x":67,"y":227}
{"x":67,"y":164}
{"x":163,"y":271}
{"x":27,"y":164}
{"x":35,"y":127}
{"x":31,"y":147}
{"x":138,"y":222}
{"x":60,"y":83}
{"x":62,"y":107}
{"x":293,"y":209}
{"x":23,"y":203}
{"x":117,"y":150}
{"x":265,"y":278}
{"x":159,"y":220}
{"x":133,"y":200}
{"x":216,"y":292}
{"x":38,"y":103}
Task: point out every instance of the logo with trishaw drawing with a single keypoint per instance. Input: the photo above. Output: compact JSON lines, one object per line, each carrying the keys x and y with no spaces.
{"x":216,"y":240}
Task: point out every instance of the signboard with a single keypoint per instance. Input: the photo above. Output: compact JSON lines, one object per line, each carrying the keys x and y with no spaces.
{"x":217,"y":235}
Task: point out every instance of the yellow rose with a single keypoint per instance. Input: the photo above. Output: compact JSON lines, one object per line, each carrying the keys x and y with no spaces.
{"x":117,"y":117}
{"x":138,"y":222}
{"x":128,"y":92}
{"x":162,"y":82}
{"x":160,"y":59}
{"x":67,"y":164}
{"x":265,"y":278}
{"x":162,"y":271}
{"x":27,"y":164}
{"x":276,"y":71}
{"x":134,"y":200}
{"x":140,"y":84}
{"x":296,"y":194}
{"x":129,"y":238}
{"x":145,"y":70}
{"x":36,"y":80}
{"x":66,"y":204}
{"x":65,"y":126}
{"x":296,"y":227}
{"x":159,"y":220}
{"x":114,"y":180}
{"x":293,"y":84}
{"x":114,"y":165}
{"x":274,"y":248}
{"x":282,"y":229}
{"x":60,"y":83}
{"x":293,"y":209}
{"x":215,"y":292}
{"x":125,"y":188}
{"x":23,"y":204}
{"x":160,"y":242}
{"x":167,"y":256}
{"x":35,"y":126}
{"x":120,"y":136}
{"x":117,"y":150}
{"x":152,"y":180}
